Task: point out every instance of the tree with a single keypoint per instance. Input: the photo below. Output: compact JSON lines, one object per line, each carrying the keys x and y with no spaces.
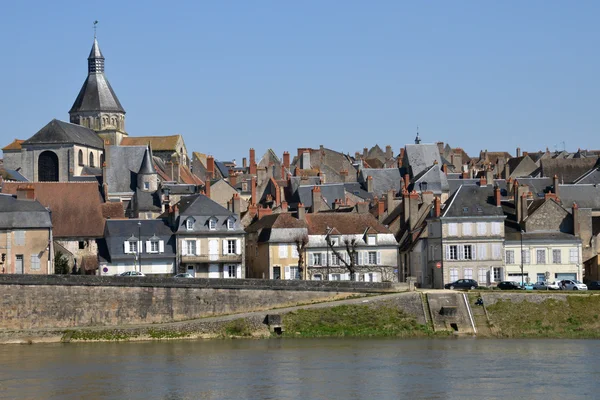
{"x":350,"y":261}
{"x":61,"y":264}
{"x":301,"y":241}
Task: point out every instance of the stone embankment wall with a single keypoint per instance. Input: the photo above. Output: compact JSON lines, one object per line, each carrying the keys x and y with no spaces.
{"x":40,"y":302}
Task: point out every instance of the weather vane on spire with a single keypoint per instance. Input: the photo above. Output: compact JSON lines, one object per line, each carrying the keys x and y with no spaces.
{"x":95,"y":23}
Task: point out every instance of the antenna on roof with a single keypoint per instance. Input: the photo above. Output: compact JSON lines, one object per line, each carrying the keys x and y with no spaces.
{"x":95,"y":23}
{"x":417,"y":139}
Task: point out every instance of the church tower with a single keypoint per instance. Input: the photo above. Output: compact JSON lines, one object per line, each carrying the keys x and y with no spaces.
{"x":97,"y":106}
{"x":147,"y":178}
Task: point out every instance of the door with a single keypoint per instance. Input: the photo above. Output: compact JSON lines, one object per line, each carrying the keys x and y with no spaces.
{"x":191,"y":270}
{"x":19,"y":264}
{"x":213,"y":249}
{"x":213,"y":271}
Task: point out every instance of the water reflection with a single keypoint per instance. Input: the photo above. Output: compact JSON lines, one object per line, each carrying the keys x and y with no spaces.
{"x":309,"y":369}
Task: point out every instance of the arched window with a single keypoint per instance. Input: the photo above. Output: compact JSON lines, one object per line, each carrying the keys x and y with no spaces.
{"x":80,"y":157}
{"x":92,"y":160}
{"x":48,"y":167}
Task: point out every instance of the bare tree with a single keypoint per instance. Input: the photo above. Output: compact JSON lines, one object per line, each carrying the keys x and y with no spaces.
{"x":350,"y":261}
{"x":301,"y":241}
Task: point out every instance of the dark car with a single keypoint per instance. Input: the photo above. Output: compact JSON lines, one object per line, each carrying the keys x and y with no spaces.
{"x":593,"y":285}
{"x":462,"y":284}
{"x":510,"y":285}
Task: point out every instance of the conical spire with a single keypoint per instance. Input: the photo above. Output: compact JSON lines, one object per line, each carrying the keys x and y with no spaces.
{"x":147,"y":164}
{"x":95,"y":59}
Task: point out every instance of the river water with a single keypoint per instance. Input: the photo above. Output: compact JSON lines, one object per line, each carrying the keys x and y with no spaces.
{"x":304,"y":368}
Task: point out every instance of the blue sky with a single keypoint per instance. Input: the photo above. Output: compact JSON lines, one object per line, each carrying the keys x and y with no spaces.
{"x":346,"y":74}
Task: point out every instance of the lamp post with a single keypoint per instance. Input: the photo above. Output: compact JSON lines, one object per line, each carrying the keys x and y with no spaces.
{"x":522,"y":274}
{"x":139,"y":246}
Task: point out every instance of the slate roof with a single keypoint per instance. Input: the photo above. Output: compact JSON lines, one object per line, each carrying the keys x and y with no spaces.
{"x":200,"y":205}
{"x":472,"y":201}
{"x":21,"y":214}
{"x":60,"y":132}
{"x":14,"y":145}
{"x":329,"y":192}
{"x":147,"y":201}
{"x":12,"y":175}
{"x":345,"y":223}
{"x":117,"y":231}
{"x":422,"y":156}
{"x":122,"y":166}
{"x":147,"y":167}
{"x":157,"y":143}
{"x":276,"y":221}
{"x":590,"y":177}
{"x":76,"y":207}
{"x":383,"y":179}
{"x":586,"y":196}
{"x":567,"y":170}
{"x":433,"y":179}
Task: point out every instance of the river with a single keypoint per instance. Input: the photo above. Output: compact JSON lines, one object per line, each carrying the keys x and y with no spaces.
{"x":304,"y":368}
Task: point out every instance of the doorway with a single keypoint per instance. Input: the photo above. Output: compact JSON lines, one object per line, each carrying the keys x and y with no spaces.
{"x":191,"y":270}
{"x":19,"y":264}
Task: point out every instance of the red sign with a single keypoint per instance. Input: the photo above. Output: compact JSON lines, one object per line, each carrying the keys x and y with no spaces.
{"x":438,"y":265}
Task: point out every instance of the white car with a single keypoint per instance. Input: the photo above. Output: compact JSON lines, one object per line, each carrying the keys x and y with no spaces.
{"x":546,"y":286}
{"x":572,"y":285}
{"x":131,"y":273}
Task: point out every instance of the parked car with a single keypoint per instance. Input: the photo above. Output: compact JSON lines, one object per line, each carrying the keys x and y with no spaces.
{"x":183,"y":275}
{"x":594,"y":285}
{"x":131,"y":273}
{"x":546,"y":286}
{"x":510,"y":285}
{"x":462,"y":284}
{"x":528,"y":286}
{"x":572,"y":285}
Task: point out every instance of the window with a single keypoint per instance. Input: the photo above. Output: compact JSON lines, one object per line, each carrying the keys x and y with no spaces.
{"x":294,"y":273}
{"x":541,"y":256}
{"x":452,"y":252}
{"x":317,"y":277}
{"x":230,"y":224}
{"x":231,"y":246}
{"x":468,"y":273}
{"x":483,"y":276}
{"x":372,"y":258}
{"x":80,"y":158}
{"x":336,"y":277}
{"x":510,"y":256}
{"x":146,"y":185}
{"x":335,"y":242}
{"x":481,"y":228}
{"x":276,"y":272}
{"x":556,"y":256}
{"x":453,"y":274}
{"x":496,"y":251}
{"x":497,"y":274}
{"x":19,"y":238}
{"x":541,"y":277}
{"x":496,"y":228}
{"x":190,"y":246}
{"x":231,"y":271}
{"x":133,"y":246}
{"x":468,"y":253}
{"x":452,"y":229}
{"x":371,"y":240}
{"x":92,"y":160}
{"x":81,"y":245}
{"x":35,"y":262}
{"x":283,"y":250}
{"x":212,"y":224}
{"x":295,"y":251}
{"x":153,"y":247}
{"x":466,"y":227}
{"x":526,"y":256}
{"x":482,"y":251}
{"x":317,"y":259}
{"x":573,"y":256}
{"x":189,"y":224}
{"x":335,"y":259}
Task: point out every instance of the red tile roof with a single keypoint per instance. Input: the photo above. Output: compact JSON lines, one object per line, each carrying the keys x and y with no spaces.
{"x":15,"y":145}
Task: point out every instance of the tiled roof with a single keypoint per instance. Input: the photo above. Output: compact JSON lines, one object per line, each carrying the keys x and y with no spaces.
{"x":157,"y":143}
{"x":15,"y":145}
{"x":276,"y":221}
{"x":113,"y":210}
{"x":76,"y":207}
{"x":567,"y":170}
{"x":345,"y":223}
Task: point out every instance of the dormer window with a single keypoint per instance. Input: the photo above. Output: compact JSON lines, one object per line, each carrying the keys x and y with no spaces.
{"x":371,"y":240}
{"x":212,"y":224}
{"x":230,"y":224}
{"x":189,"y":224}
{"x":335,"y":241}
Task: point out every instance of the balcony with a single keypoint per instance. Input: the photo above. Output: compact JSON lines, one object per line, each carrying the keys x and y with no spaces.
{"x":212,"y":258}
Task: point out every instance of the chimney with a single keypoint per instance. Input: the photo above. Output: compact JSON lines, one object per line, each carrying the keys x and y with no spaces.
{"x":232,"y":178}
{"x":380,"y":209}
{"x":207,"y":188}
{"x":465,"y":175}
{"x":509,"y":187}
{"x":344,"y":175}
{"x":555,"y":186}
{"x":336,"y":204}
{"x":286,"y":159}
{"x":316,"y":199}
{"x":244,"y":163}
{"x":175,"y":214}
{"x":264,"y":211}
{"x":305,"y":161}
{"x":236,"y":204}
{"x":26,"y":192}
{"x":414,"y":209}
{"x":370,"y":184}
{"x":497,"y":198}
{"x":482,"y":181}
{"x":489,"y":176}
{"x":405,"y":207}
{"x":406,"y":181}
{"x":388,"y":152}
{"x":210,"y":167}
{"x":301,"y":212}
{"x":284,"y":206}
{"x":401,"y":158}
{"x":576,"y":220}
{"x":457,"y":158}
{"x":437,"y":207}
{"x":506,"y":171}
{"x":365,"y":153}
{"x":523,"y":207}
{"x":518,"y":152}
{"x":445,"y":169}
{"x":253,"y":199}
{"x":362,"y":207}
{"x":390,"y":200}
{"x":356,"y":155}
{"x":252,"y":210}
{"x":252,"y":162}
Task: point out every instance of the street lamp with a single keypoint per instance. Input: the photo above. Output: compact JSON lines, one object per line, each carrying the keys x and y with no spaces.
{"x":522,"y":274}
{"x":139,"y":244}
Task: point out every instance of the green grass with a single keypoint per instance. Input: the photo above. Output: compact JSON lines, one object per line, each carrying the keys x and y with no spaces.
{"x":237,"y":327}
{"x":354,"y":321}
{"x":577,"y":317}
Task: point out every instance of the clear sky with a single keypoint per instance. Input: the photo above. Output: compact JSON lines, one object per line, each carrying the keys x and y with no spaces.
{"x":230,"y":75}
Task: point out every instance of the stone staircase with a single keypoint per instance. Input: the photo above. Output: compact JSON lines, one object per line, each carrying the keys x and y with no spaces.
{"x":481,"y":322}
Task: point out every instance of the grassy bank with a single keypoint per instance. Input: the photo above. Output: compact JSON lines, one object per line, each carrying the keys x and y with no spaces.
{"x":355,"y":321}
{"x":576,"y":317}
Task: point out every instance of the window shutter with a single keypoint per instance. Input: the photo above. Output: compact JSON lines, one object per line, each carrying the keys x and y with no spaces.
{"x":161,"y":246}
{"x":148,"y":246}
{"x":447,"y":252}
{"x":287,"y":273}
{"x":140,"y":248}
{"x":197,"y":247}
{"x":347,"y":276}
{"x":360,"y":258}
{"x":474,"y":252}
{"x":184,"y":248}
{"x":460,"y":250}
{"x":238,"y":246}
{"x":329,"y":277}
{"x":126,"y":247}
{"x":379,"y":258}
{"x":311,"y":260}
{"x":238,"y":271}
{"x":224,"y":245}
